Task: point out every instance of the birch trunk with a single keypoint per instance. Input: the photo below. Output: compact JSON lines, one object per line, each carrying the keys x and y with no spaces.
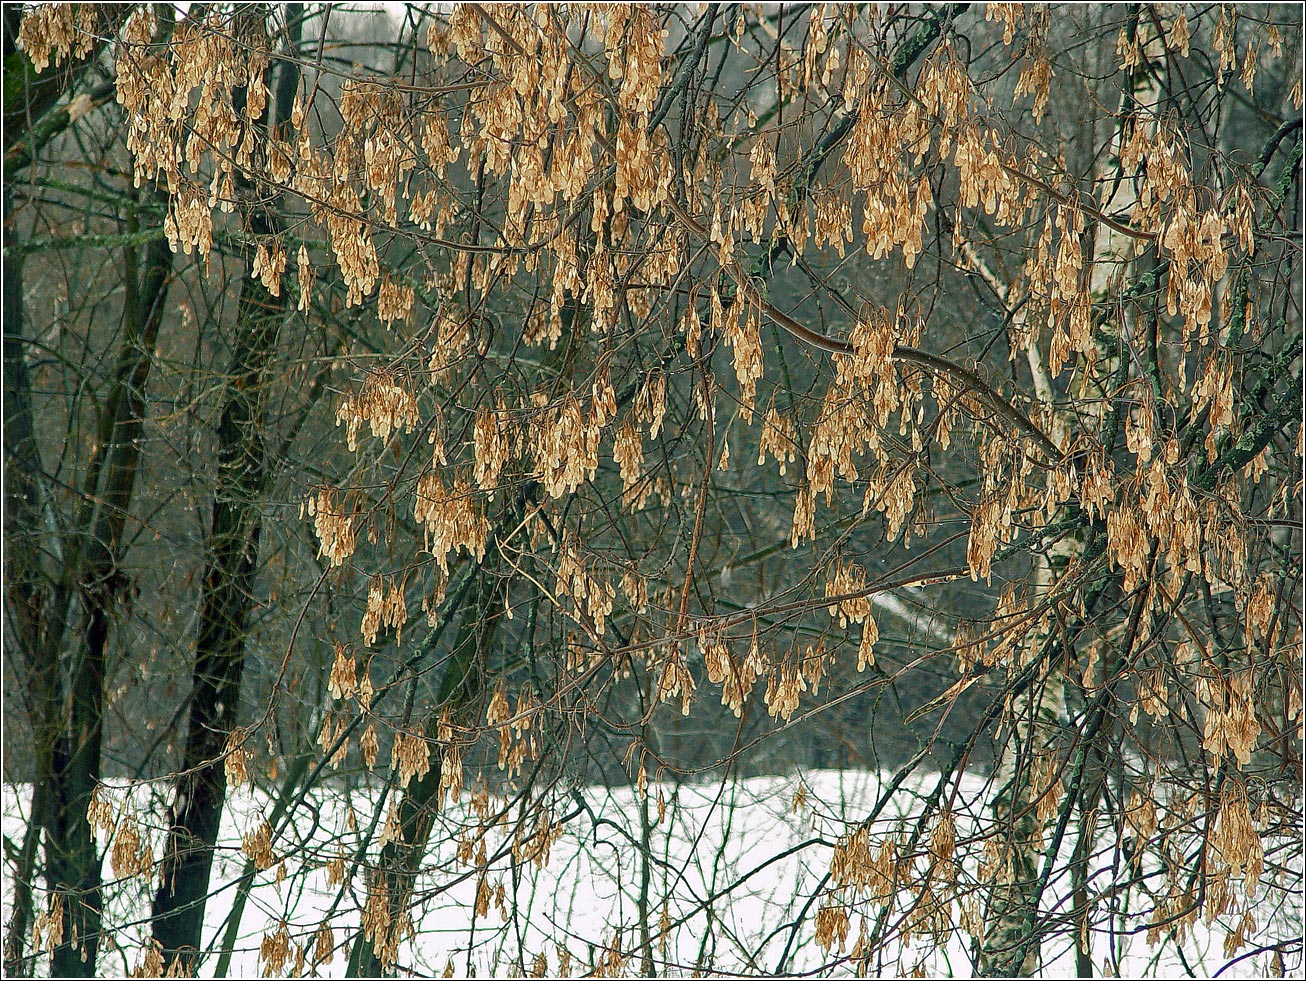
{"x":1010,"y":944}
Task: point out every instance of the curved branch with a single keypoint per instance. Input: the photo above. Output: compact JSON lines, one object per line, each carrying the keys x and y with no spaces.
{"x":901,"y":352}
{"x":1287,"y":407}
{"x":29,"y":96}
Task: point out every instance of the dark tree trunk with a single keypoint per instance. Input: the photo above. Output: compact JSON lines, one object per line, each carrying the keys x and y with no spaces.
{"x":232,"y":551}
{"x":67,"y":740}
{"x":26,"y":595}
{"x":74,"y":858}
{"x":232,"y":554}
{"x":461,"y":690}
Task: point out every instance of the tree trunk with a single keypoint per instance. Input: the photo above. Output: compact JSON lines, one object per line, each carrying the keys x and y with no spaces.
{"x":74,"y":859}
{"x":67,"y":748}
{"x":460,"y":690}
{"x":26,"y":595}
{"x":232,"y":549}
{"x":1010,"y":946}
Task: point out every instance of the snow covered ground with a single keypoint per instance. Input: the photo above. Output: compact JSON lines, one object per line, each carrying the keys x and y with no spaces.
{"x":734,"y":880}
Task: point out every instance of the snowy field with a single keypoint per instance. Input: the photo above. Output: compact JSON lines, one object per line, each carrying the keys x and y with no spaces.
{"x":735,"y":877}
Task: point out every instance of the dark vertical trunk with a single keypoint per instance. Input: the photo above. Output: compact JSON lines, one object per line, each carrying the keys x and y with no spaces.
{"x":231,"y":551}
{"x":219,"y":660}
{"x":74,"y":859}
{"x":231,"y":555}
{"x":26,"y":597}
{"x":66,"y":712}
{"x":461,"y":688}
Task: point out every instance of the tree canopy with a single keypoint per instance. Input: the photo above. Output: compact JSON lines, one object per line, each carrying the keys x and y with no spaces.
{"x":426,"y":423}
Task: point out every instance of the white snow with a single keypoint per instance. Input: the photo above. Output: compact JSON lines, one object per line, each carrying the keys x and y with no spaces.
{"x":727,"y":868}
